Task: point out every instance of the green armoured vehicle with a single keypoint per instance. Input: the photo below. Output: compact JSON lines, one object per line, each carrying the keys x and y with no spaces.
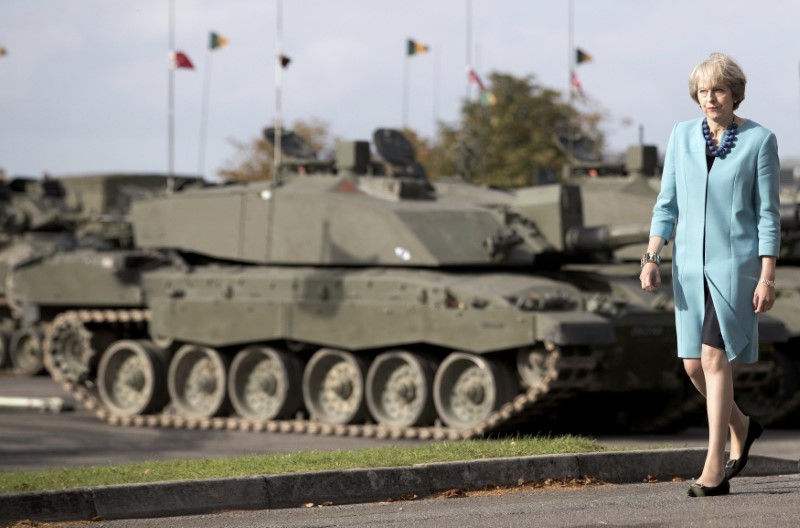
{"x":348,"y":299}
{"x":40,"y":219}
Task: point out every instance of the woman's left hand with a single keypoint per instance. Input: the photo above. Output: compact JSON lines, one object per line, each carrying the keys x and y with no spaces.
{"x":763,"y":298}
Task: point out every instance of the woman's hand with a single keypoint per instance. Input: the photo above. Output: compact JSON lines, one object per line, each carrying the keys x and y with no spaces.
{"x":650,"y":277}
{"x":763,"y":298}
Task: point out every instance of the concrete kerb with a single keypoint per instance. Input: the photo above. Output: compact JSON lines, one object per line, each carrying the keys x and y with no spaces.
{"x":355,"y":485}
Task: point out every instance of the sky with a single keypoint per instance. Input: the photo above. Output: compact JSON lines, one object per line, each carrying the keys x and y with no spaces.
{"x":84,"y":84}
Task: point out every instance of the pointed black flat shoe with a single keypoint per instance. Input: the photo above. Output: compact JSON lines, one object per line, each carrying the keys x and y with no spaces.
{"x":701,"y":490}
{"x":736,"y":465}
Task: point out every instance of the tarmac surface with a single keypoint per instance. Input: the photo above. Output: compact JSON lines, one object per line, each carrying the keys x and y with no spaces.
{"x":754,"y":501}
{"x":362,"y":486}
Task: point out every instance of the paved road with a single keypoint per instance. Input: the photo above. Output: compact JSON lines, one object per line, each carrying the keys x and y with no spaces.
{"x":29,"y":440}
{"x":758,"y":501}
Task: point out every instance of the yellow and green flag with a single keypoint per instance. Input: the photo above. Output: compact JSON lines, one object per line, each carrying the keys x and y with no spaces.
{"x":217,"y":41}
{"x":413,"y":47}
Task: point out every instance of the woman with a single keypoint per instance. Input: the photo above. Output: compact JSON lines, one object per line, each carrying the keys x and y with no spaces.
{"x":719,"y":194}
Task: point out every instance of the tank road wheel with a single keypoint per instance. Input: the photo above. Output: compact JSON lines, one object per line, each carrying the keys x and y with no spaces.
{"x":534,"y":365}
{"x":131,"y":378}
{"x":197,"y":382}
{"x":264,"y":383}
{"x":25,"y":351}
{"x":467,"y":388}
{"x":70,"y":349}
{"x":333,"y":387}
{"x":400,"y":389}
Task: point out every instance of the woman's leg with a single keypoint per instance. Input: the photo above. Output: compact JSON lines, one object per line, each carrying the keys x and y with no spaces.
{"x":719,"y":403}
{"x":739,"y":423}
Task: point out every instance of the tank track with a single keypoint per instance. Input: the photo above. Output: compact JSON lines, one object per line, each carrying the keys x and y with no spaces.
{"x":568,"y":370}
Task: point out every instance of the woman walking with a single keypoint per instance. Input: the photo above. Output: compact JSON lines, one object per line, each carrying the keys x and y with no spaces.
{"x":719,"y":197}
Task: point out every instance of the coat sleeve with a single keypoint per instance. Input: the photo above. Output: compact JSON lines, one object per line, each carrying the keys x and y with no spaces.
{"x":665,"y":212}
{"x":767,"y":198}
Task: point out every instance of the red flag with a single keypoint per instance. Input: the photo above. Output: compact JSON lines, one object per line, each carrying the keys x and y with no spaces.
{"x":181,"y":60}
{"x":473,"y":78}
{"x":576,"y":83}
{"x":284,"y":61}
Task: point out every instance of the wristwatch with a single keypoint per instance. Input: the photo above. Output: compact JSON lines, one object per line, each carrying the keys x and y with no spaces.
{"x":651,"y":257}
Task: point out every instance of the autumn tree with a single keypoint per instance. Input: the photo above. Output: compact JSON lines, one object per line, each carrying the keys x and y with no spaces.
{"x":517,"y":133}
{"x":431,"y":154}
{"x":253,"y":160}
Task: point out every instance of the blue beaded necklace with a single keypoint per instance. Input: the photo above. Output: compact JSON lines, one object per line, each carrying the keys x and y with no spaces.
{"x":725,"y":146}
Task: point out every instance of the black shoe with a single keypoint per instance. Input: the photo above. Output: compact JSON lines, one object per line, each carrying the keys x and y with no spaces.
{"x":701,"y":490}
{"x":735,"y":465}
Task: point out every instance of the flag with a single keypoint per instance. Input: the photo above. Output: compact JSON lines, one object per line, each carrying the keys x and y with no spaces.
{"x":179,"y":59}
{"x":3,"y":51}
{"x":472,"y":77}
{"x":581,"y":56}
{"x":413,"y":47}
{"x":284,"y":61}
{"x":488,"y":98}
{"x":217,"y":41}
{"x":576,"y":83}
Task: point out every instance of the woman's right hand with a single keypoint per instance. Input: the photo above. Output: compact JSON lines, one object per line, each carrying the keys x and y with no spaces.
{"x":650,"y":277}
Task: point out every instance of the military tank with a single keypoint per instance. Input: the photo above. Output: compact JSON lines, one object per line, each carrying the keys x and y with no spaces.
{"x":42,"y":218}
{"x":32,"y":215}
{"x":348,"y":300}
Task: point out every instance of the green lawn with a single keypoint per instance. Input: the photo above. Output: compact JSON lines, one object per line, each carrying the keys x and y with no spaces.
{"x":154,"y":471}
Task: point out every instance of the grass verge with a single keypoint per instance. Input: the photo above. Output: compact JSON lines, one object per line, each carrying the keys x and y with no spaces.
{"x":155,"y":471}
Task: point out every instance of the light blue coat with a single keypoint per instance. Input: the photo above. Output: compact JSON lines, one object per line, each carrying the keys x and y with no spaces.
{"x":737,"y":206}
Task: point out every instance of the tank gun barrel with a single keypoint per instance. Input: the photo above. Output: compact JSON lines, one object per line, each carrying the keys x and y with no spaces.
{"x":605,"y":238}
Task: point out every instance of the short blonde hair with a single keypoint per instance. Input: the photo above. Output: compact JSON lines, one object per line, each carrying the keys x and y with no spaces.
{"x":719,"y":68}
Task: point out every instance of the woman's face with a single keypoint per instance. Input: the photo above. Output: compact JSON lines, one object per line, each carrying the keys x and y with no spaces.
{"x":716,"y":100}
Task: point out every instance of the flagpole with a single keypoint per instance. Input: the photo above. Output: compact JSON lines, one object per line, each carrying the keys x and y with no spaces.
{"x":571,"y":73}
{"x":170,"y":104}
{"x":405,"y":91}
{"x":435,"y":88}
{"x":464,"y":156}
{"x":276,"y":158}
{"x":204,"y":115}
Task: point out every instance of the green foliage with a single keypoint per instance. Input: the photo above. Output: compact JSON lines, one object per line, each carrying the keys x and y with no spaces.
{"x":394,"y":456}
{"x":520,"y":134}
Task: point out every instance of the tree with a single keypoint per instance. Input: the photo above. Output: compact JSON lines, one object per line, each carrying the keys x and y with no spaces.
{"x":254,"y":159}
{"x":518,"y":134}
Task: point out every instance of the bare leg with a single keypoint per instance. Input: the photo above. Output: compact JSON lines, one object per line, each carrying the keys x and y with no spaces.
{"x":739,"y":422}
{"x":719,"y":402}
